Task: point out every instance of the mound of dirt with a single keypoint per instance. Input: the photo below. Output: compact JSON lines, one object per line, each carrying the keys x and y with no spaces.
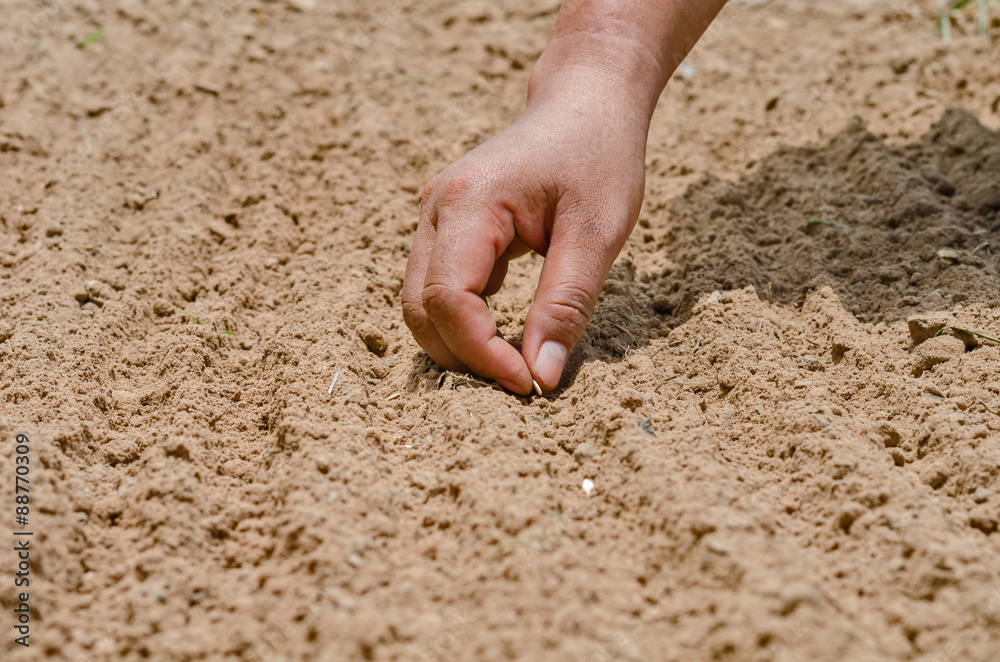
{"x":891,"y":231}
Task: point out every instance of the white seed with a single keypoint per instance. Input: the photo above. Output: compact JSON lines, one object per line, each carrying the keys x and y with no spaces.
{"x":336,"y":376}
{"x":588,"y":486}
{"x":538,"y":389}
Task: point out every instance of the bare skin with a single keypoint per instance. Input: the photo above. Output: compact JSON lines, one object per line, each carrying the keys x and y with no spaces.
{"x":565,"y":180}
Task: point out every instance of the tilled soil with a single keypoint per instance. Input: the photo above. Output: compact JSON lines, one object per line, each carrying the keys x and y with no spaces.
{"x":791,"y":437}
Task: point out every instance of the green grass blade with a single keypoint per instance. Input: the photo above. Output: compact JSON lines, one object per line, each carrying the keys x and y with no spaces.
{"x":945,"y":27}
{"x":969,"y":331}
{"x":92,"y":38}
{"x":190,"y":315}
{"x":980,"y":335}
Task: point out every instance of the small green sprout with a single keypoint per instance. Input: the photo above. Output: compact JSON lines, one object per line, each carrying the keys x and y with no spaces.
{"x":817,"y":221}
{"x":198,"y":321}
{"x":92,"y":38}
{"x":190,"y":315}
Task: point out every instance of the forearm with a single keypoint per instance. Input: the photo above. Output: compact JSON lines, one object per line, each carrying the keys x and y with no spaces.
{"x":626,"y":47}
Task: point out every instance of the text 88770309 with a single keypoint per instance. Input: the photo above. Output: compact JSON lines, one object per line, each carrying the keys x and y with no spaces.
{"x":22,"y":538}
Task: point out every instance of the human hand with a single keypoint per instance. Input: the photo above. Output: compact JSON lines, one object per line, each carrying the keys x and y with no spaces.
{"x":566,"y":181}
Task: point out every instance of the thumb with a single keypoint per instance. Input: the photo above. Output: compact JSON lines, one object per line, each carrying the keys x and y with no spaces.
{"x":576,"y":264}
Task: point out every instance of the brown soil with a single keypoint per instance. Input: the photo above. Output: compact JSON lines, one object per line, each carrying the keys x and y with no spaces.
{"x":205,"y":217}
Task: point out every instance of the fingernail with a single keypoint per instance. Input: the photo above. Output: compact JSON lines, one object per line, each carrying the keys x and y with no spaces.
{"x":510,"y":386}
{"x":550,"y":362}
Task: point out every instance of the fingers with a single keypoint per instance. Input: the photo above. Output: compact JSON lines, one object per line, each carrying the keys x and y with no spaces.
{"x":576,"y":263}
{"x":414,"y":315}
{"x":497,"y":276}
{"x":458,"y":257}
{"x":470,"y":240}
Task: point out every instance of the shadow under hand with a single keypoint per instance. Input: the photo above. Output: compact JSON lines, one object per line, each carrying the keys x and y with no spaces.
{"x":893,"y":231}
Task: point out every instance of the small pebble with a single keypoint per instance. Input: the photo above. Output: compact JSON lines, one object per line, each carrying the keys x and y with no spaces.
{"x":97,"y":291}
{"x":373,"y":338}
{"x":588,"y":486}
{"x":584,"y":452}
{"x":982,"y":495}
{"x":985,"y":199}
{"x":811,"y":362}
{"x":925,"y":326}
{"x":163,"y":308}
{"x":719,"y":548}
{"x":797,"y":594}
{"x":686,"y":70}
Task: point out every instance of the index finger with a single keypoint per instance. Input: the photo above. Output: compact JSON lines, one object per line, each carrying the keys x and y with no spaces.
{"x":414,"y":315}
{"x":470,"y":238}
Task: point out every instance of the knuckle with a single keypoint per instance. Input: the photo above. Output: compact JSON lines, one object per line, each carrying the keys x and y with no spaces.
{"x":459,"y":188}
{"x":464,"y":190}
{"x":437,"y":299}
{"x":610,"y":232}
{"x":414,"y":316}
{"x":606,"y":224}
{"x":430,"y":190}
{"x":572,"y":307}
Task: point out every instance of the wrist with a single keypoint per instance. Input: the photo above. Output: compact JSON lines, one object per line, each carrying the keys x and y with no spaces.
{"x":622,"y":49}
{"x":597,"y":71}
{"x":614,"y":47}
